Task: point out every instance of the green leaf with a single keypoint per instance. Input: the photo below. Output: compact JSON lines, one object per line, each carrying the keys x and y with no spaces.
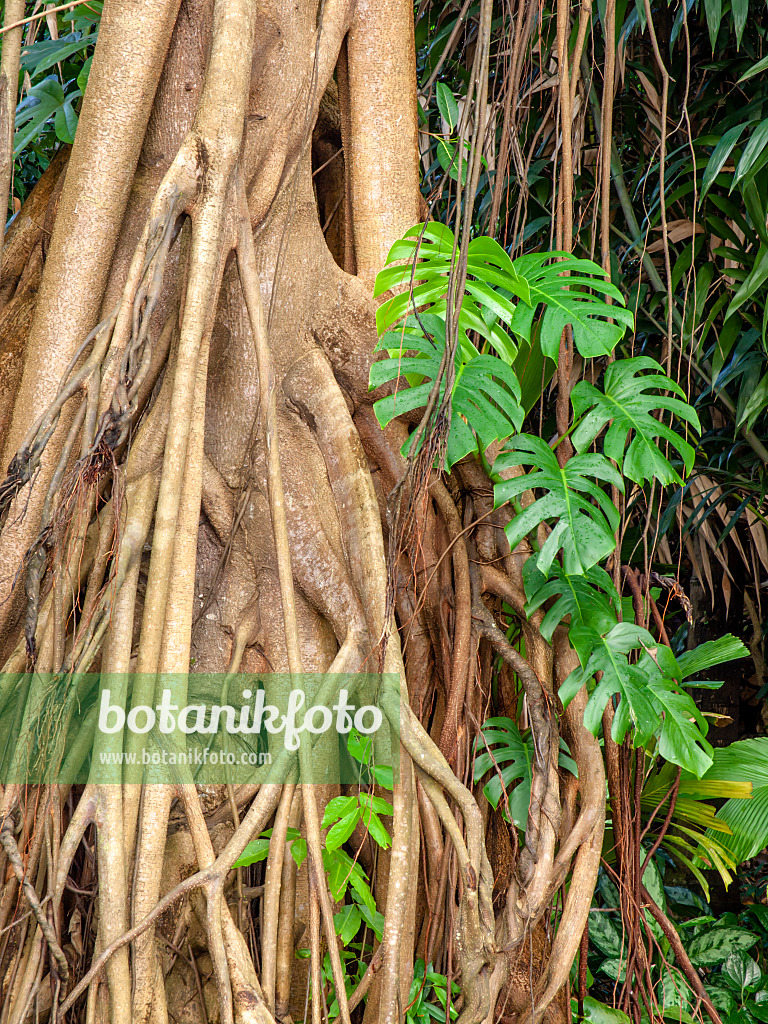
{"x":47,"y":52}
{"x":615,"y":968}
{"x":338,"y":808}
{"x":376,"y":803}
{"x":299,"y":851}
{"x":751,"y":283}
{"x":742,"y":970}
{"x":82,"y":78}
{"x":485,"y":401}
{"x":65,"y":121}
{"x":375,"y":827}
{"x":740,"y":10}
{"x":447,"y":105}
{"x":756,"y":69}
{"x":374,"y":919}
{"x":752,"y":151}
{"x":568,"y":301}
{"x":604,"y":934}
{"x":591,"y":612}
{"x":342,"y":830}
{"x":755,"y":406}
{"x":653,"y":883}
{"x":584,"y":531}
{"x":347,"y":922}
{"x":628,"y":402}
{"x":715,"y":945}
{"x":514,"y":757}
{"x":599,"y":1013}
{"x":255,"y":851}
{"x":748,"y":822}
{"x":681,"y":741}
{"x":711,"y":653}
{"x":713,"y":9}
{"x":42,"y":103}
{"x":675,"y":993}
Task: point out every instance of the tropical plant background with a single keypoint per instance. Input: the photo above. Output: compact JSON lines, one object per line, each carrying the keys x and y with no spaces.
{"x":631,"y":140}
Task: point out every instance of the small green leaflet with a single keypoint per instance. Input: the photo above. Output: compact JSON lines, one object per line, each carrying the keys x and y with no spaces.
{"x":627,"y":405}
{"x":44,"y":101}
{"x":447,"y":105}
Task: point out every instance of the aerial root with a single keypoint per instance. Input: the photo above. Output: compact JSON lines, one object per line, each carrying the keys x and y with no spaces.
{"x":12,"y":852}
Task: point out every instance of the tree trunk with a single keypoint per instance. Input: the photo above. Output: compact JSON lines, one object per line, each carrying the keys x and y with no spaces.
{"x":142,"y":530}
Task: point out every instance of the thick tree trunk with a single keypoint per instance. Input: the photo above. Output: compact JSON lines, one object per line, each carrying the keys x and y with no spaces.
{"x":190,"y":107}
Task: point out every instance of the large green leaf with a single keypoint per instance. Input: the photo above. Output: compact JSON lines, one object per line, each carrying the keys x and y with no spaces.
{"x":508,"y":755}
{"x":711,"y":653}
{"x":745,"y":761}
{"x":715,"y":945}
{"x":628,"y":402}
{"x":591,"y":612}
{"x":651,"y":699}
{"x":585,"y":518}
{"x":597,"y":326}
{"x":500,"y":289}
{"x":491,"y":279}
{"x":485,"y":401}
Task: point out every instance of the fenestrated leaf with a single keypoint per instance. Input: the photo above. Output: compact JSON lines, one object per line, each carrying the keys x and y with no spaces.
{"x":502,"y":748}
{"x":626,"y":403}
{"x":568,"y":301}
{"x":681,"y":741}
{"x":513,"y":756}
{"x":485,"y":404}
{"x":619,"y":677}
{"x":584,"y":531}
{"x":591,"y":613}
{"x":564,"y":288}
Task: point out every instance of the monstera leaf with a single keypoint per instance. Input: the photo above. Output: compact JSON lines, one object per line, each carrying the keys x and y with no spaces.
{"x":628,"y":402}
{"x":483,"y":305}
{"x":499,"y":291}
{"x":591,"y":611}
{"x":584,"y":531}
{"x":508,"y":754}
{"x":485,"y":401}
{"x":652,"y":700}
{"x":597,"y":327}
